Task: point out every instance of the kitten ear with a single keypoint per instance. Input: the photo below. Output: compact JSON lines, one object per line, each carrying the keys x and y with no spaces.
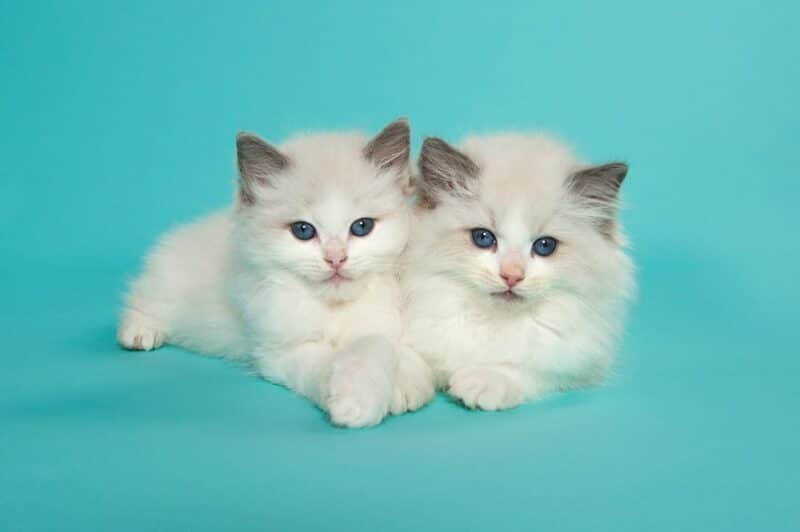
{"x":599,"y":187}
{"x":258,"y":162}
{"x":391,"y":148}
{"x":445,"y":170}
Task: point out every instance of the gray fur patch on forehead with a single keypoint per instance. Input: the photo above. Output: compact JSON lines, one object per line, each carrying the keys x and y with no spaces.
{"x":258,"y":161}
{"x":445,"y":170}
{"x":391,"y":148}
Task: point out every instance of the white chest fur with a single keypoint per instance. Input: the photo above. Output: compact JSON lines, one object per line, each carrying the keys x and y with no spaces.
{"x":280,"y":313}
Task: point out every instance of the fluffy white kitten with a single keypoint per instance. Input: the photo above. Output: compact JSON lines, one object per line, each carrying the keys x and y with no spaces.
{"x":517,"y":274}
{"x":300,"y":276}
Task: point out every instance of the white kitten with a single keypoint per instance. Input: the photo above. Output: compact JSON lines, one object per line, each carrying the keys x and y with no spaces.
{"x":300,"y":276}
{"x":517,"y":275}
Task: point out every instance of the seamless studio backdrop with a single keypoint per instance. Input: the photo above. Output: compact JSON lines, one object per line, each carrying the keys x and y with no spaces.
{"x":119,"y":121}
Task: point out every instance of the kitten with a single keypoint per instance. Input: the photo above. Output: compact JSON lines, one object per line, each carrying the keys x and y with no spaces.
{"x":299,"y":277}
{"x":517,"y":274}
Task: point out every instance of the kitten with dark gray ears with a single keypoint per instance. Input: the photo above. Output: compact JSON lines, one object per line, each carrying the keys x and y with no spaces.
{"x":516,"y":274}
{"x":300,"y":276}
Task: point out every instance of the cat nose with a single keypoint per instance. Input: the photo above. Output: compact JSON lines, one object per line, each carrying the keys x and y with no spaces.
{"x":512,"y":279}
{"x":336,"y":260}
{"x":335,"y":253}
{"x":512,"y":271}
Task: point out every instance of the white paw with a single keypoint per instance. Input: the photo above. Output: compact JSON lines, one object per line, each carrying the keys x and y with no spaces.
{"x":359,"y":392}
{"x":485,"y":388}
{"x":139,"y":332}
{"x":413,"y":386}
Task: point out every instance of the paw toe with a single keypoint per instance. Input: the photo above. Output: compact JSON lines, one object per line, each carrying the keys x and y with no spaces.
{"x":485,"y":389}
{"x":408,"y":397}
{"x":139,"y":334}
{"x":350,"y":412}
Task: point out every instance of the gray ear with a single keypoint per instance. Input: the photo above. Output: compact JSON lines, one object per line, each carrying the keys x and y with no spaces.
{"x":391,"y":148}
{"x":599,"y":187}
{"x":258,"y":162}
{"x":445,"y":170}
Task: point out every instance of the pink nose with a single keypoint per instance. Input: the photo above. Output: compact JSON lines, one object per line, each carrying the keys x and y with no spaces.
{"x":336,"y":260}
{"x":512,"y":279}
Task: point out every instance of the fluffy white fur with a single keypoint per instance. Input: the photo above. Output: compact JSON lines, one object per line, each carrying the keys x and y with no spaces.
{"x":558,"y":332}
{"x":238,"y":283}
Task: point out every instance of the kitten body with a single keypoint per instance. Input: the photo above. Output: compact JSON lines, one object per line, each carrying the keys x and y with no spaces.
{"x":502,"y":325}
{"x":320,"y":315}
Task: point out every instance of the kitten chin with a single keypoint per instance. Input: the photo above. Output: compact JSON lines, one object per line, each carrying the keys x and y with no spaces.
{"x":299,"y":277}
{"x":516,"y":280}
{"x":339,"y":292}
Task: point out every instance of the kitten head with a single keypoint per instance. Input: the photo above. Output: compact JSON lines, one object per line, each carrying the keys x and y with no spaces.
{"x":327,"y":209}
{"x":516,"y":219}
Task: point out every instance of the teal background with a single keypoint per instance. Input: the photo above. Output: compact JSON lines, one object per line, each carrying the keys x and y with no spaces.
{"x":118,"y":121}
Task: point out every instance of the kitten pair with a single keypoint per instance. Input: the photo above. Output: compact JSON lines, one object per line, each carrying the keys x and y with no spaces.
{"x":512,"y":282}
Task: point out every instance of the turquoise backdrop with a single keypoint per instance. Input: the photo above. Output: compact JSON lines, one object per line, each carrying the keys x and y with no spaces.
{"x":118,"y":121}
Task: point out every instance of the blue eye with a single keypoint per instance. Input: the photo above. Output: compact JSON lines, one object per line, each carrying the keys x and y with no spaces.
{"x":483,"y":238}
{"x":303,"y":230}
{"x":545,"y":246}
{"x":362,"y":226}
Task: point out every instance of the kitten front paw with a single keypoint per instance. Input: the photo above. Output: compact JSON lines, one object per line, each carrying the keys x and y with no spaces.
{"x":413,"y":386}
{"x":359,"y":393}
{"x":139,"y":332}
{"x":485,"y":388}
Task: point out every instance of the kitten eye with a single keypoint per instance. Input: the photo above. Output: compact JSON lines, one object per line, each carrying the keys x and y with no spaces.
{"x":362,"y":226}
{"x":483,"y":238}
{"x":303,"y":230}
{"x":545,"y":246}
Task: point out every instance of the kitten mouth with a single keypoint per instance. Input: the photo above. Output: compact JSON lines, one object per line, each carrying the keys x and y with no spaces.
{"x":337,"y":279}
{"x":508,"y":295}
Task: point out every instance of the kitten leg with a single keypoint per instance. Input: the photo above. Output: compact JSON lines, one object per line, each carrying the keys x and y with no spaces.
{"x":182,"y":296}
{"x":140,"y":332}
{"x":303,"y":368}
{"x":413,"y":385}
{"x":488,"y":387}
{"x":360,"y":385}
{"x":353,"y":385}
